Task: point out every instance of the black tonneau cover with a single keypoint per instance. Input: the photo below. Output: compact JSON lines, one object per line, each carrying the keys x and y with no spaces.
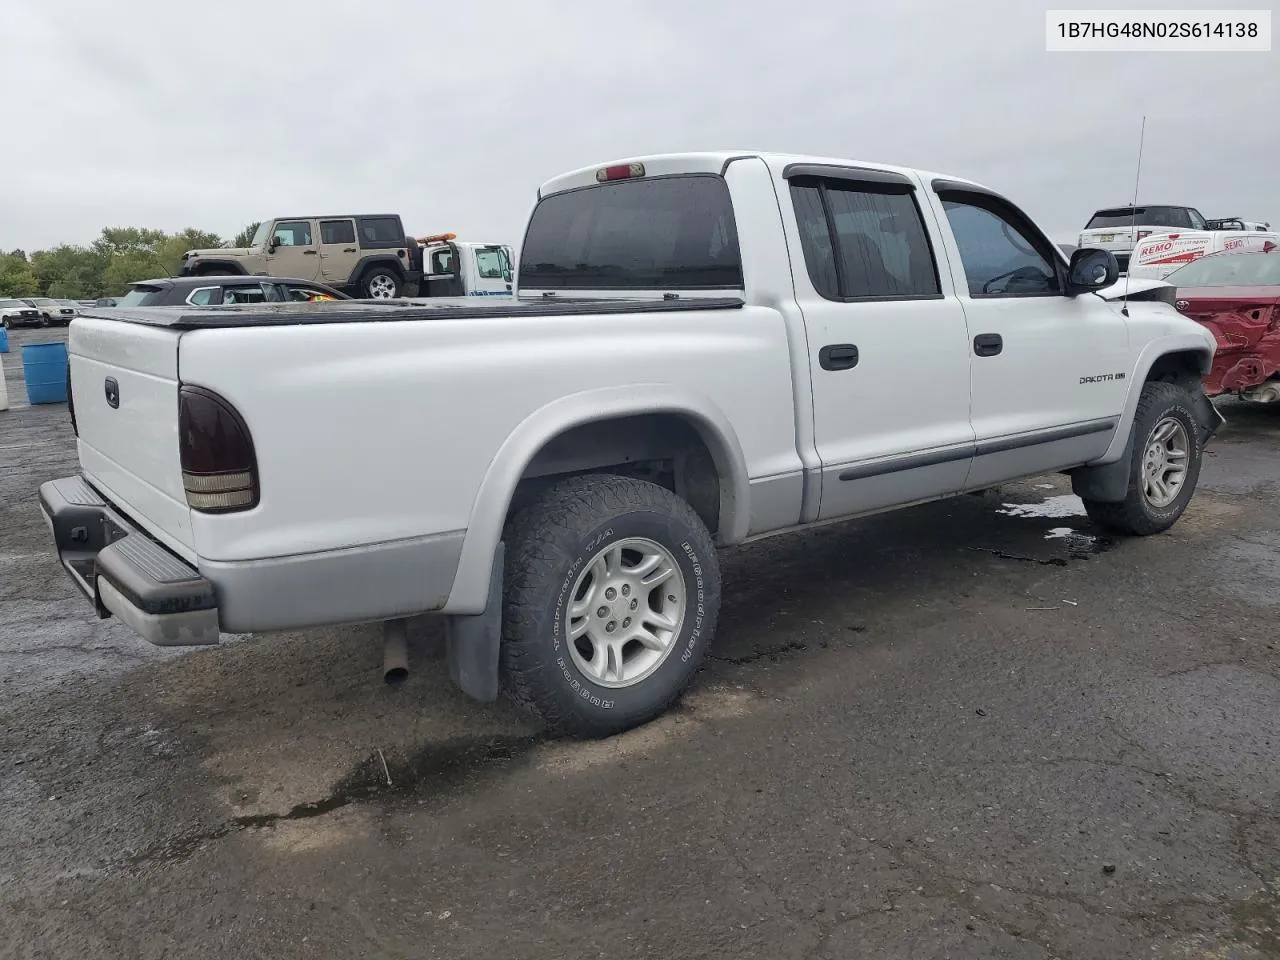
{"x":370,"y":311}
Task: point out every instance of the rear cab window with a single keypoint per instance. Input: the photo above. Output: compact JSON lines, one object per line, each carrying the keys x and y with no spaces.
{"x":141,"y":296}
{"x":1185,"y":218}
{"x":671,"y":233}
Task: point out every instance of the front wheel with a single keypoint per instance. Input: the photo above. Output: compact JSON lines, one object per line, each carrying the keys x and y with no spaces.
{"x":1165,"y":465}
{"x":612,"y":589}
{"x":381,"y":283}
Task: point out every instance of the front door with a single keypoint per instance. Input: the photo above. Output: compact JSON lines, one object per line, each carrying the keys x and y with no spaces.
{"x":888,"y":347}
{"x":295,"y":252}
{"x":339,"y":252}
{"x":1049,"y":372}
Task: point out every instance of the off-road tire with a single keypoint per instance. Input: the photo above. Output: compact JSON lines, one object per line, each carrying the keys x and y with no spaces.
{"x":1135,"y":515}
{"x":367,"y":278}
{"x":548,"y":543}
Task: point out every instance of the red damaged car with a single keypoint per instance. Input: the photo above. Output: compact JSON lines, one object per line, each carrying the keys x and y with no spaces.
{"x":1237,"y":296}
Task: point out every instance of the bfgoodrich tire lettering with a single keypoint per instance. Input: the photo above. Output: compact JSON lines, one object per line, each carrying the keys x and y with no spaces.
{"x":1160,"y":406}
{"x":549,"y":545}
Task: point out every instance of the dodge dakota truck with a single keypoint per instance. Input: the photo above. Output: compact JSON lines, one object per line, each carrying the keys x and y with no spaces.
{"x":704,"y":349}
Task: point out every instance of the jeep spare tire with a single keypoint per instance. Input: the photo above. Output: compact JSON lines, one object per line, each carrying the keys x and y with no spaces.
{"x":611,"y":593}
{"x":380,"y":283}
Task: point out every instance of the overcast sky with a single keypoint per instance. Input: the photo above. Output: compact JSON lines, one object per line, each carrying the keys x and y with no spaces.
{"x":169,"y":115}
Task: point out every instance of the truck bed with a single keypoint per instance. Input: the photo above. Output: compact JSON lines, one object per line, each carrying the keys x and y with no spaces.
{"x":461,"y":308}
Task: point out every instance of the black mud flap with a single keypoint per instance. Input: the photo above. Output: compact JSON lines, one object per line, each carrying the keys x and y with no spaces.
{"x":472,"y":643}
{"x":1208,"y":416}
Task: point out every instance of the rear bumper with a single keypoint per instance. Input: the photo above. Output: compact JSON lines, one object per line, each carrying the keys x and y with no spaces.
{"x":124,"y":572}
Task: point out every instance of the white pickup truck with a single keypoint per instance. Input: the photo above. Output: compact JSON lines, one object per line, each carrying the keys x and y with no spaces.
{"x":705,"y":349}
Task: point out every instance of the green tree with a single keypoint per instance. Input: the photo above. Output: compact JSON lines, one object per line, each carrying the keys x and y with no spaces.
{"x":118,"y":257}
{"x":245,"y":236}
{"x":70,"y":271}
{"x":16,"y":276}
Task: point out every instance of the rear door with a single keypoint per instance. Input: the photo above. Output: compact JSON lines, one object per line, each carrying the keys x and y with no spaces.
{"x":296,"y":252}
{"x":888,"y":346}
{"x":339,"y":252}
{"x":124,"y":383}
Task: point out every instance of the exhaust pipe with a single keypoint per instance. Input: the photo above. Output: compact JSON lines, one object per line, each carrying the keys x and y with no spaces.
{"x":395,"y":651}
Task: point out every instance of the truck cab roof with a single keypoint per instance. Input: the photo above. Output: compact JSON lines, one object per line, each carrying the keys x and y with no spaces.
{"x":716,"y":161}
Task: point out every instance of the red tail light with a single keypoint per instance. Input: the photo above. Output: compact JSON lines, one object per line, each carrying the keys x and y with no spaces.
{"x":219,"y":467}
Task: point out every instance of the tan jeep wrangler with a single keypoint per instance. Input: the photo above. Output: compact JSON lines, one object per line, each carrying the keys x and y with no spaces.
{"x":366,"y":256}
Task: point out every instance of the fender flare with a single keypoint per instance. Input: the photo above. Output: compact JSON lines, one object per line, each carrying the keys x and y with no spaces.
{"x":1174,"y":343}
{"x":375,"y":260}
{"x":470,"y":591}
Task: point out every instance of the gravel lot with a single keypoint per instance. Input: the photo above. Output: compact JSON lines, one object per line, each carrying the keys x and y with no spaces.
{"x":976,"y":729}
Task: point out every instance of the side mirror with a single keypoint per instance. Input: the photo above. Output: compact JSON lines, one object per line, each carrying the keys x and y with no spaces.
{"x":272,"y":244}
{"x":1091,"y":270}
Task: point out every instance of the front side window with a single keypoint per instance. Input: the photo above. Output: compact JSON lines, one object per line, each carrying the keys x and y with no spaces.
{"x":667,"y":233}
{"x":997,"y":252}
{"x":489,"y":263}
{"x":864,"y":240}
{"x":293,"y":233}
{"x":303,"y":294}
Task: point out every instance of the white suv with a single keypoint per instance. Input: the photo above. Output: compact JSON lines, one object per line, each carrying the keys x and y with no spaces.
{"x":1120,"y":229}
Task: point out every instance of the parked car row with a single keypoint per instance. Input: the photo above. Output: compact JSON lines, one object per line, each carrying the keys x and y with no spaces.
{"x":37,"y":312}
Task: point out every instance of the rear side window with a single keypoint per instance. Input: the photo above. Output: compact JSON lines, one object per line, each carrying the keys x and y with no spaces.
{"x":668,"y":233}
{"x":381,"y":230}
{"x":863,"y":240}
{"x":250,"y":293}
{"x":337,"y":231}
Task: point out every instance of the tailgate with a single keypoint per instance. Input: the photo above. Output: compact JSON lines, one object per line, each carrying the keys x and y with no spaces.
{"x":124,"y":383}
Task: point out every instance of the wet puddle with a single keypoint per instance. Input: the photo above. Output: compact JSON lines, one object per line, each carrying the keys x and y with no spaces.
{"x":1052,"y":531}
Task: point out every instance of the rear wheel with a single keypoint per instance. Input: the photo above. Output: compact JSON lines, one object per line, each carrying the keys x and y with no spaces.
{"x":1164,"y":466}
{"x":380,"y":283}
{"x":612,"y":592}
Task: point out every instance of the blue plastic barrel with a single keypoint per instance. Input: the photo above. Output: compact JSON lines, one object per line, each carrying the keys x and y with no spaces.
{"x":44,"y":366}
{"x":4,"y":340}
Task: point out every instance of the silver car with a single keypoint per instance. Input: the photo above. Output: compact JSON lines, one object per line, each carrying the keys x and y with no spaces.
{"x":19,"y":313}
{"x":54,"y":312}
